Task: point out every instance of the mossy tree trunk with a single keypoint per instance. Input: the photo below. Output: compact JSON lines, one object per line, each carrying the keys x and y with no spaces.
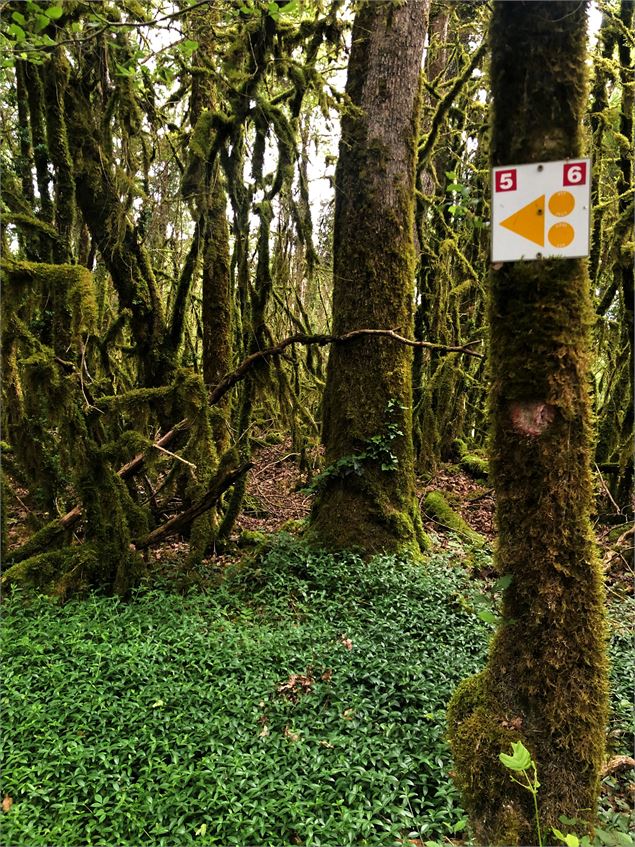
{"x":369,"y":384}
{"x":545,"y":682}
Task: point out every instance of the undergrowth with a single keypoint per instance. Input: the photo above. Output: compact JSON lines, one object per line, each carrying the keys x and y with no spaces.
{"x":303,"y":702}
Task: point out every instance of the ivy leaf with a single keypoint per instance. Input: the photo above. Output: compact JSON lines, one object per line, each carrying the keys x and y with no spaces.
{"x":54,"y":12}
{"x":520,"y":759}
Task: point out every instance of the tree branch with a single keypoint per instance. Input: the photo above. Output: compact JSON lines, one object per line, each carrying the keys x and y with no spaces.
{"x":210,"y":498}
{"x":230,"y":379}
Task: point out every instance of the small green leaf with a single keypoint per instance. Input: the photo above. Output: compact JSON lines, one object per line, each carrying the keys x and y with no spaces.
{"x":122,"y":70}
{"x":19,"y":18}
{"x":451,"y":175}
{"x":17,"y":32}
{"x":520,"y":759}
{"x":41,"y":22}
{"x":503,"y":582}
{"x":188,"y":46}
{"x":54,"y":12}
{"x":488,"y":617}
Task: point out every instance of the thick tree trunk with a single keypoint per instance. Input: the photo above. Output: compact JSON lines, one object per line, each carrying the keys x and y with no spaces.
{"x":545,"y":682}
{"x":369,"y":389}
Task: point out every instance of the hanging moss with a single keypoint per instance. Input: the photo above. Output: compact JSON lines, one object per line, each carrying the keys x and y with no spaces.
{"x":69,"y":288}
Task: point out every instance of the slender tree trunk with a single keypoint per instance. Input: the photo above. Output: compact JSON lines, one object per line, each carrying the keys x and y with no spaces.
{"x":368,"y":391}
{"x":546,"y":679}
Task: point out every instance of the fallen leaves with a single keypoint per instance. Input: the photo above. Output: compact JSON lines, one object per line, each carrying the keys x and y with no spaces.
{"x":346,"y":642}
{"x":295,"y":686}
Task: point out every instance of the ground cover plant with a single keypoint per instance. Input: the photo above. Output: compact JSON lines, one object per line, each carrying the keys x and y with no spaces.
{"x":302,"y":701}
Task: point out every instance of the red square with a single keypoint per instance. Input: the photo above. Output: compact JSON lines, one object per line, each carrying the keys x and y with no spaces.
{"x":574,"y":173}
{"x":505,"y":180}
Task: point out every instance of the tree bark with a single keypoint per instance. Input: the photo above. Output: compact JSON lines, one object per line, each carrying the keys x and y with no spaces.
{"x":546,"y":679}
{"x":368,"y":391}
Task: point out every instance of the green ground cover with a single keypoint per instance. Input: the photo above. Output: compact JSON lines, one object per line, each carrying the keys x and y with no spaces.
{"x":302,"y":702}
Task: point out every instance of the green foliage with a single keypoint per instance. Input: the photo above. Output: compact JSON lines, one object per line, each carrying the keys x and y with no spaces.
{"x":377,"y":449}
{"x":302,"y":702}
{"x":312,"y":713}
{"x":521,"y":762}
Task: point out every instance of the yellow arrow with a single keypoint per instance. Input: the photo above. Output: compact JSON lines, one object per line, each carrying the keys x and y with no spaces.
{"x":529,"y":222}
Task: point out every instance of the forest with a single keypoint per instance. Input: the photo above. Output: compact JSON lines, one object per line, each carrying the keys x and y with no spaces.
{"x":318,"y":361}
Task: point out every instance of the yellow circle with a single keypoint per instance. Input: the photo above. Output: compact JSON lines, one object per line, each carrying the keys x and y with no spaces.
{"x":561,"y":203}
{"x":561,"y":235}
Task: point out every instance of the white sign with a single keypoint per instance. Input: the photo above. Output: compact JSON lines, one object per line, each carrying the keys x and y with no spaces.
{"x":541,"y":210}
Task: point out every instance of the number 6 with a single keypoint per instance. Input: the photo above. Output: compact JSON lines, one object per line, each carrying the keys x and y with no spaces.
{"x":574,"y":174}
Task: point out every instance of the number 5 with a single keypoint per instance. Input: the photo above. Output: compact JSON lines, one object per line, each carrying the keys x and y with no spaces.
{"x":506,"y":180}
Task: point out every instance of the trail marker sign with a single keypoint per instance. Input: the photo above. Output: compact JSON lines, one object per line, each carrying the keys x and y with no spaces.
{"x":541,"y":210}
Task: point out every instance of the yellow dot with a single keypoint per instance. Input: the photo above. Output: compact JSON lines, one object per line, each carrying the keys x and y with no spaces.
{"x":561,"y":203}
{"x":561,"y":235}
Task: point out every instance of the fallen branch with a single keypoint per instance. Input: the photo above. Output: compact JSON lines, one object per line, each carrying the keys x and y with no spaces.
{"x":617,"y":763}
{"x":210,"y":498}
{"x":51,"y":533}
{"x":135,"y":465}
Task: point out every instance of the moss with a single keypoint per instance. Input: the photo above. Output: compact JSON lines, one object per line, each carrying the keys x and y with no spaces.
{"x":40,"y":571}
{"x":373,"y":274}
{"x":479,"y":731}
{"x":45,"y":537}
{"x":250,"y":538}
{"x":436,"y":506}
{"x":69,"y":288}
{"x":294,"y":526}
{"x":475,"y":466}
{"x":547,"y":669}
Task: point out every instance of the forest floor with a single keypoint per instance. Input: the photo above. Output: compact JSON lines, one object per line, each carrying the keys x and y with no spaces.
{"x":301,"y":701}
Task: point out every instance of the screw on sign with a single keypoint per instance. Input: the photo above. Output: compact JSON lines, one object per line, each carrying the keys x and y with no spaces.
{"x":546,"y":204}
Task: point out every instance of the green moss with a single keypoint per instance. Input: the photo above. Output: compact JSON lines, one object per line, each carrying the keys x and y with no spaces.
{"x":46,"y":536}
{"x":251,"y":538}
{"x":547,"y":670}
{"x":479,"y":731}
{"x":436,"y":506}
{"x":373,"y":274}
{"x":475,"y":466}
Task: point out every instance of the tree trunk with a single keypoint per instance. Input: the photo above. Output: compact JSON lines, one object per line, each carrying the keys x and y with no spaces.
{"x":546,"y":680}
{"x":367,"y":497}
